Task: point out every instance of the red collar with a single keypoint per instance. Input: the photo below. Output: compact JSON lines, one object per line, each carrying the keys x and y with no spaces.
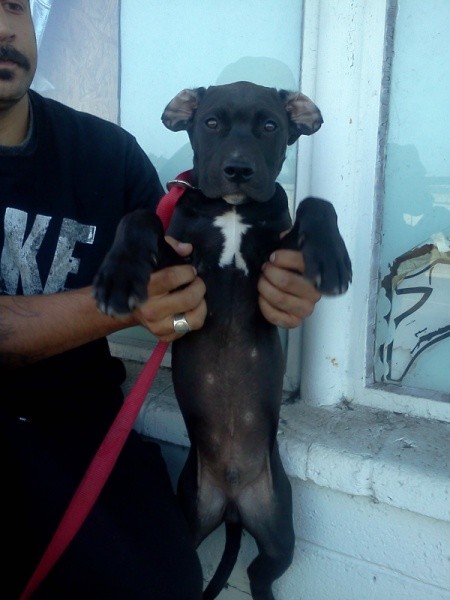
{"x":176,"y":189}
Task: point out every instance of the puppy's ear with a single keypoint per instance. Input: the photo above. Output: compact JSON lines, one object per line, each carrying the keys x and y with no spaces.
{"x":180,"y":111}
{"x":304,"y":116}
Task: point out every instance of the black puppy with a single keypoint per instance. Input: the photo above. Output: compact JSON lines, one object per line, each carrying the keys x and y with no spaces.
{"x":228,"y":376}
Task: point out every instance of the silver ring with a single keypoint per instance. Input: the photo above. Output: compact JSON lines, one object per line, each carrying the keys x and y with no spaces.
{"x":180,"y":324}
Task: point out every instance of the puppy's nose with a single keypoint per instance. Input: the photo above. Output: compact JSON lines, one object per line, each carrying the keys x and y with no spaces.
{"x":238,"y":171}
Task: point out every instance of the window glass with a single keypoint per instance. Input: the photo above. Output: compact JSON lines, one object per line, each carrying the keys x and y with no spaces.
{"x":163,"y":48}
{"x":166,"y":47}
{"x":40,"y":9}
{"x":413,"y":326}
{"x":78,"y":62}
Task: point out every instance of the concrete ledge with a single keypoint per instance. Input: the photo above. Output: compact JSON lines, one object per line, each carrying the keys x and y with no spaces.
{"x":395,"y":459}
{"x":390,"y":458}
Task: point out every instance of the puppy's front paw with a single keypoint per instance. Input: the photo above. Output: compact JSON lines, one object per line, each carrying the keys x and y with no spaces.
{"x":122,"y":279}
{"x":316,"y":234}
{"x":120,"y":284}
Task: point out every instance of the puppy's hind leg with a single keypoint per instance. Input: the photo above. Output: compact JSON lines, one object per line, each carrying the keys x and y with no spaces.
{"x":271,"y":526}
{"x":274,"y":558}
{"x":203,"y":503}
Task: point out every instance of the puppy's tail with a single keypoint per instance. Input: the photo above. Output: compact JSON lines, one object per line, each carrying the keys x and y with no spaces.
{"x":233,"y":535}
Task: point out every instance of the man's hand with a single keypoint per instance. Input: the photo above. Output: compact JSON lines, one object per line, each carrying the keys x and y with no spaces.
{"x":286,"y":298}
{"x":171,"y":291}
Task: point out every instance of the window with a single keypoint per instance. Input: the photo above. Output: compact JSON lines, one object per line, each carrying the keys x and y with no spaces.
{"x":166,"y":47}
{"x":346,"y":51}
{"x":381,"y":158}
{"x":413,"y":328}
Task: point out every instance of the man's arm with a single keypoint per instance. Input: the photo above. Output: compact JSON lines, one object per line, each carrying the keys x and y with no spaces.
{"x":37,"y":327}
{"x":40,"y":326}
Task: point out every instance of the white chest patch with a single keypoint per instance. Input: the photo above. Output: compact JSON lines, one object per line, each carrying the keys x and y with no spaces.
{"x":233,"y":230}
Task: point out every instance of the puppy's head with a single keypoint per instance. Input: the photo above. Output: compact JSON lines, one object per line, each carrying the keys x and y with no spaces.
{"x":239,"y":133}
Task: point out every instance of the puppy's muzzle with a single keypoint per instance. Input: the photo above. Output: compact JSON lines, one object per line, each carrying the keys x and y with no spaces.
{"x":238,"y":171}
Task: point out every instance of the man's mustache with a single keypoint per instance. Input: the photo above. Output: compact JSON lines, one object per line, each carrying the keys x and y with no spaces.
{"x":9,"y":53}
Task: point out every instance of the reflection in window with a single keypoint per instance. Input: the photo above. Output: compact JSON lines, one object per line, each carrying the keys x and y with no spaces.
{"x":413,"y":329}
{"x":40,"y":10}
{"x":79,"y":54}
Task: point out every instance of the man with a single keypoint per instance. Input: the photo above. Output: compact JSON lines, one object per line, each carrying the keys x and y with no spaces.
{"x":66,"y":179}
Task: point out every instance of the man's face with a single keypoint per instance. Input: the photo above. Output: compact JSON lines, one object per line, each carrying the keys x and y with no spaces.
{"x":18,"y":52}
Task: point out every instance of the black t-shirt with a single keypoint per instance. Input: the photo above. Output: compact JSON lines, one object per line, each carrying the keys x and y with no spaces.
{"x":62,"y":196}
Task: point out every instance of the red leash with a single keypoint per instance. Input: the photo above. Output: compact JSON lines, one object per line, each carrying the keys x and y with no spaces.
{"x":103,"y":462}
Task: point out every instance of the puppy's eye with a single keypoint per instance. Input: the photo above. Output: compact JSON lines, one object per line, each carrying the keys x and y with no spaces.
{"x":270,"y":126}
{"x":211,"y":123}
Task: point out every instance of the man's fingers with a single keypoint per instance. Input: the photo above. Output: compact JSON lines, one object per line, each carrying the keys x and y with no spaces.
{"x":181,"y":248}
{"x":278,"y":317}
{"x":195,"y":318}
{"x":297,"y":305}
{"x":288,"y":281}
{"x":169,"y":279}
{"x":288,"y":259}
{"x":157,"y":313}
{"x":286,"y":298}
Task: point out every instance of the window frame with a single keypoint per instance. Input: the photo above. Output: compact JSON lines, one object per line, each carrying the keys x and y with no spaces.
{"x":351,"y":88}
{"x":331,"y":356}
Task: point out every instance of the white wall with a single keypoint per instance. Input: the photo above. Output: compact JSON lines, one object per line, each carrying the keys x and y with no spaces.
{"x":371,"y":501}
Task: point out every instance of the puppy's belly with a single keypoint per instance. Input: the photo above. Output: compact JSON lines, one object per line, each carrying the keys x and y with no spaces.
{"x":230,"y":397}
{"x":217,"y":376}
